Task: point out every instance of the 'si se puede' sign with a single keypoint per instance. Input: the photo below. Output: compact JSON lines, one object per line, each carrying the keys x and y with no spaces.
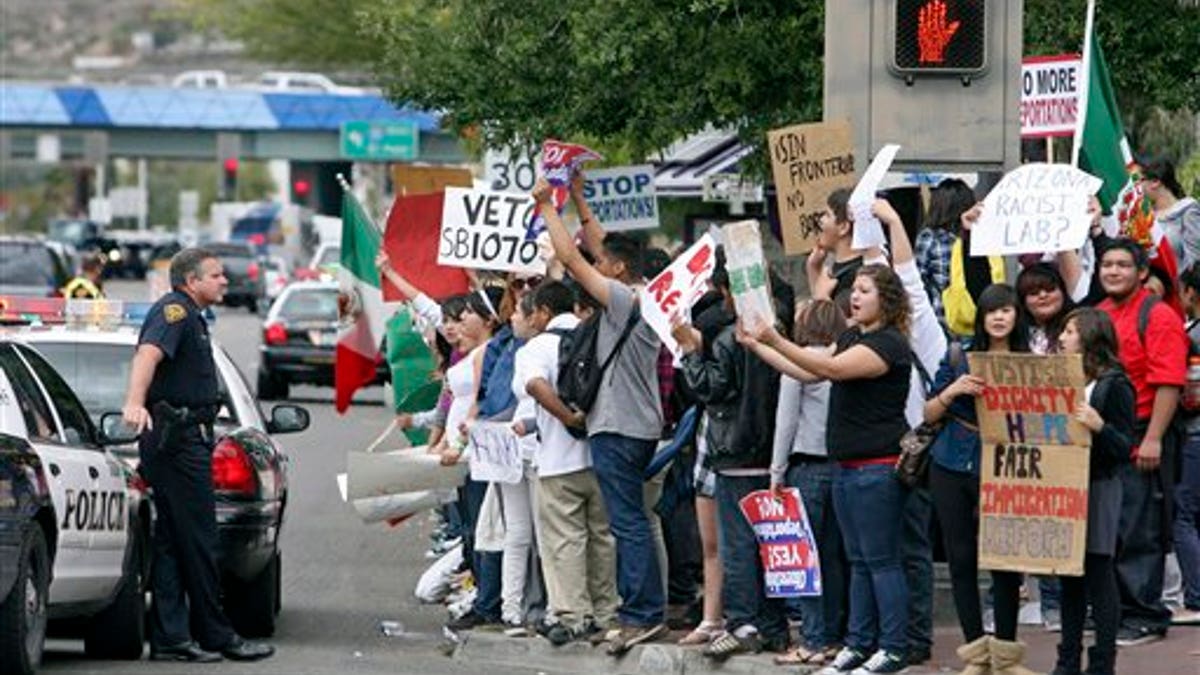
{"x":1033,"y":478}
{"x":482,"y":229}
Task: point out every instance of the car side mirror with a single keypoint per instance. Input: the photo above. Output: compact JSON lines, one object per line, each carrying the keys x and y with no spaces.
{"x":287,"y":419}
{"x":114,"y":431}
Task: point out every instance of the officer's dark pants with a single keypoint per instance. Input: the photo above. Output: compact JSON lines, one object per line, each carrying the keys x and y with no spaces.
{"x":185,"y":543}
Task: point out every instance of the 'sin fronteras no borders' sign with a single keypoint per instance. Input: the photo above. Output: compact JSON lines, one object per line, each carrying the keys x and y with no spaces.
{"x":384,"y":141}
{"x":808,"y":161}
{"x":1033,"y":473}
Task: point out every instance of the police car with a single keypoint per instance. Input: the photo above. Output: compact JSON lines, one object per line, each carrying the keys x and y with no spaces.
{"x":73,"y":522}
{"x":91,"y":343}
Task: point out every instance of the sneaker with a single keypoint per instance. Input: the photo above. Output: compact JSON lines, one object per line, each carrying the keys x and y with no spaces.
{"x":629,"y":636}
{"x":559,"y":635}
{"x":919,"y":655}
{"x":846,"y":661}
{"x":469,"y":621}
{"x":1185,"y":616}
{"x":1052,"y":620}
{"x":515,"y":629}
{"x":882,"y":662}
{"x":1132,"y":636}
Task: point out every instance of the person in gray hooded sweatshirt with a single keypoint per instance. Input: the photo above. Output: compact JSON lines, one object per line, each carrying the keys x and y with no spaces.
{"x":1178,"y":214}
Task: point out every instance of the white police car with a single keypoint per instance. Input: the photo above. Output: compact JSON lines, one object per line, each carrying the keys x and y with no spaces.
{"x":73,"y":522}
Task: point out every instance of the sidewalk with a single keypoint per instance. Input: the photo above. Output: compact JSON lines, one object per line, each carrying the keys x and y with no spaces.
{"x":1179,"y":654}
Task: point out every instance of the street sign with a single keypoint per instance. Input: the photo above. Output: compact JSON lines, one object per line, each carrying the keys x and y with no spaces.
{"x":381,"y":141}
{"x":731,"y":187}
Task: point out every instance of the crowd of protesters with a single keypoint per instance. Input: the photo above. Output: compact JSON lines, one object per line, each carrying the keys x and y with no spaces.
{"x":601,"y":542}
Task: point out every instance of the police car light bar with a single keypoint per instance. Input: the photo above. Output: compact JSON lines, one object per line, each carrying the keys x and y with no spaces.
{"x":77,"y":312}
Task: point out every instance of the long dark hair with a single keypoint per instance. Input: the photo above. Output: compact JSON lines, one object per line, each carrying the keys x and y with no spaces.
{"x":949,"y":200}
{"x":1033,"y":279}
{"x":994,"y":297}
{"x":1097,"y":341}
{"x":1162,"y":170}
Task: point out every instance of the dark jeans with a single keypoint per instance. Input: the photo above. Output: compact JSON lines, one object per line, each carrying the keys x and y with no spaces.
{"x":681,"y":533}
{"x":1140,"y":550}
{"x":742,"y":591}
{"x":866,"y":501}
{"x":823,"y":618}
{"x":1098,"y":587}
{"x":620,"y":463}
{"x":485,"y":565}
{"x":1186,"y":528}
{"x":918,"y":568}
{"x":956,"y":498}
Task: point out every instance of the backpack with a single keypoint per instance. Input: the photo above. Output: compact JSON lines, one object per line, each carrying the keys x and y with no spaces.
{"x":579,"y":369}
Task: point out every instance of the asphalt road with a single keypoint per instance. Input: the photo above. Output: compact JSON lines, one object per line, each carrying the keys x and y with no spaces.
{"x":340,"y":577}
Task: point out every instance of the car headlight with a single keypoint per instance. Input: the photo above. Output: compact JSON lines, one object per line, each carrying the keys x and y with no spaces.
{"x":114,"y":255}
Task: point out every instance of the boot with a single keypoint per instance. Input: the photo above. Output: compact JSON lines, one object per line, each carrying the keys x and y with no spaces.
{"x":1007,"y":658}
{"x":1102,"y":661}
{"x":977,"y":657}
{"x":1068,"y":660}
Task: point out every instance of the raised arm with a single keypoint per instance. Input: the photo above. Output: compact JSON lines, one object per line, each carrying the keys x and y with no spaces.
{"x":565,"y":249}
{"x":902,"y":250}
{"x":593,"y":233}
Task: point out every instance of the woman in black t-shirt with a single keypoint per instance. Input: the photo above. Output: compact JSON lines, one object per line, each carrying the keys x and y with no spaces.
{"x":870,"y":372}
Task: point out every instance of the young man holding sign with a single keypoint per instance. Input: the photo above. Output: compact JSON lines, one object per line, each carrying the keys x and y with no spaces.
{"x":625,"y":421}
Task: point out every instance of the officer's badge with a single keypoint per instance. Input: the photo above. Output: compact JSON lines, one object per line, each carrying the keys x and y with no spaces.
{"x":174,"y":313}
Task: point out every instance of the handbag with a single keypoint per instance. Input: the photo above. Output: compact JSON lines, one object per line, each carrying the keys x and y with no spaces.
{"x":912,"y":467}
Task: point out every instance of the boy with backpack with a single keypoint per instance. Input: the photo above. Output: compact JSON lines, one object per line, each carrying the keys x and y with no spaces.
{"x":624,"y":421}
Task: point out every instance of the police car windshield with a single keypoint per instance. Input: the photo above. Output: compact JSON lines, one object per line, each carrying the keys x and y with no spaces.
{"x":98,"y":373}
{"x":330,"y":255}
{"x":23,"y":264}
{"x":309,"y":305}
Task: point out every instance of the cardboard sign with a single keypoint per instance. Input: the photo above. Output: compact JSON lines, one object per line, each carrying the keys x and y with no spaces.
{"x":787,"y":548}
{"x":623,"y":198}
{"x":482,"y":229}
{"x":1034,"y":467}
{"x":495,"y":453}
{"x":419,"y":180}
{"x":673,"y":292}
{"x":808,"y":161}
{"x":1050,"y":95}
{"x":747,"y":267}
{"x":560,"y":162}
{"x":868,"y":231}
{"x":1035,"y":208}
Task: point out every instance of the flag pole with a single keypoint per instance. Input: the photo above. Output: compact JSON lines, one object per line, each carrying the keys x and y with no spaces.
{"x":1085,"y":82}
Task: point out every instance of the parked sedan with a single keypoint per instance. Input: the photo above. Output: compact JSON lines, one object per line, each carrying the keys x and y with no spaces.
{"x":250,"y":470}
{"x":30,"y":267}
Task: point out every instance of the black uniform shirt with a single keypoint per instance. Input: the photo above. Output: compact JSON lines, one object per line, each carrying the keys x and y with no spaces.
{"x":187,"y":375}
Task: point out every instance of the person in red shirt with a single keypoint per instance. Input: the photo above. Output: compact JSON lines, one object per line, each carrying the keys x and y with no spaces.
{"x":1154,"y":355}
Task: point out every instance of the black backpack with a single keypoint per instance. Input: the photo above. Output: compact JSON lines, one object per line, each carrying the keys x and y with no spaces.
{"x":579,"y":369}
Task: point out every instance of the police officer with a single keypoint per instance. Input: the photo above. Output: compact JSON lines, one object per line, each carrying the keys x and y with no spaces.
{"x":172,"y":401}
{"x":87,"y":284}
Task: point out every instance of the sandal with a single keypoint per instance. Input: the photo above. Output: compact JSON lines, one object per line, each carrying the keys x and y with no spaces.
{"x":703,"y":634}
{"x":727,"y":644}
{"x":803,"y":656}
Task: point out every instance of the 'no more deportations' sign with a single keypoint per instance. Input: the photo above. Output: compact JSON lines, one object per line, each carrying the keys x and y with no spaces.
{"x":482,"y":229}
{"x":623,"y":198}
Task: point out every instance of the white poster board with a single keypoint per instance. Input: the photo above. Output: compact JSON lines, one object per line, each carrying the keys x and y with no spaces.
{"x":495,"y":453}
{"x":868,"y":231}
{"x":1050,"y":95}
{"x":749,"y":280}
{"x":673,"y":292}
{"x":623,"y":198}
{"x":482,"y":229}
{"x":1035,"y":208}
{"x":374,"y":474}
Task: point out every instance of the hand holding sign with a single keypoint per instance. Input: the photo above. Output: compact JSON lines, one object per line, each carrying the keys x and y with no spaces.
{"x":1036,"y":208}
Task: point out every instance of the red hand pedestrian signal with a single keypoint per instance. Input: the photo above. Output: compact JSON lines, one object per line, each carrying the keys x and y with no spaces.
{"x":933,"y":32}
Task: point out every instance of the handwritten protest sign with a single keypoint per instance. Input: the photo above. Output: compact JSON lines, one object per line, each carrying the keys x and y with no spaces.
{"x":495,"y":453}
{"x":1034,"y":466}
{"x":786,"y":545}
{"x":1035,"y":208}
{"x":673,"y":292}
{"x":560,"y":162}
{"x":868,"y":231}
{"x":482,"y":229}
{"x":623,"y":198}
{"x":808,"y":161}
{"x":747,"y":267}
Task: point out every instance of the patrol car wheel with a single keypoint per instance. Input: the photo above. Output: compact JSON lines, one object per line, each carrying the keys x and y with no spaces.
{"x":252,"y":605}
{"x":119,"y":631}
{"x":25,"y":608}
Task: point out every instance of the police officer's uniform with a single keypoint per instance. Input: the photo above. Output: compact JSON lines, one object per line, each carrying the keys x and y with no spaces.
{"x":176,"y":458}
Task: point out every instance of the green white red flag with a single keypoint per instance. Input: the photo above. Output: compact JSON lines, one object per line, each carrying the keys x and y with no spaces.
{"x":362,"y":316}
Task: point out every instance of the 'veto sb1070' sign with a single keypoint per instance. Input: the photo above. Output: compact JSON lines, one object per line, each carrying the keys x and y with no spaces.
{"x":482,"y":229}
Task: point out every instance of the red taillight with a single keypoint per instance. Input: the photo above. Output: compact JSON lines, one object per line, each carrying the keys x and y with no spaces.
{"x":275,"y":334}
{"x":231,"y":468}
{"x":252,"y":271}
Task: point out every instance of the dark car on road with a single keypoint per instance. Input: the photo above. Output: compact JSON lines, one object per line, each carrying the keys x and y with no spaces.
{"x":30,"y":267}
{"x":300,"y":338}
{"x":247,"y":287}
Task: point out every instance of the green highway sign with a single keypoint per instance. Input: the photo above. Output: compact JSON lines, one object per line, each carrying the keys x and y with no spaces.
{"x":383,"y":141}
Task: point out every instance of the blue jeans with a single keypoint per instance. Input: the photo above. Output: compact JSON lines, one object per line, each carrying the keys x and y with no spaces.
{"x":742,"y":591}
{"x":485,"y":565}
{"x":1141,"y":553}
{"x":823,"y":618}
{"x":918,"y":568}
{"x":1187,"y":519}
{"x":620,"y":462}
{"x":868,"y":501}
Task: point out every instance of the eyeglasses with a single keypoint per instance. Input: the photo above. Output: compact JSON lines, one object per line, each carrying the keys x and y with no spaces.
{"x":531,"y":283}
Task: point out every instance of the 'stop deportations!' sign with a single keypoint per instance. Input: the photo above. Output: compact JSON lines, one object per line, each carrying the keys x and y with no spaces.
{"x":808,"y":162}
{"x":1033,"y":479}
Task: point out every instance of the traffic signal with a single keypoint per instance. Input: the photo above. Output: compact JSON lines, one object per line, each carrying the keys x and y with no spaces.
{"x":939,"y":37}
{"x":301,"y":189}
{"x":229,"y":170}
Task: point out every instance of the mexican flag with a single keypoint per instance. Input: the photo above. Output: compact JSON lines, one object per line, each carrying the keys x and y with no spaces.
{"x":361,"y":314}
{"x":1102,"y":149}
